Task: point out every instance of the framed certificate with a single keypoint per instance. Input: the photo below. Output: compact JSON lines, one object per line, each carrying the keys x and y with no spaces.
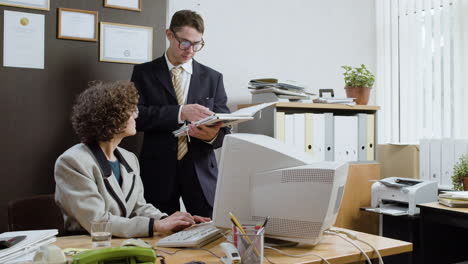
{"x":77,"y":24}
{"x":33,"y":4}
{"x":125,"y":43}
{"x":134,"y":5}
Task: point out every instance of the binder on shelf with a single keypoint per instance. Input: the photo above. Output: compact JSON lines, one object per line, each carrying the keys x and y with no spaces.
{"x":280,"y":126}
{"x":345,"y":138}
{"x":370,"y":136}
{"x":329,"y":137}
{"x":435,"y":159}
{"x":424,"y":159}
{"x":447,"y":163}
{"x":289,"y":130}
{"x":299,"y":132}
{"x":318,"y":145}
{"x":362,"y":137}
{"x":309,"y":132}
{"x":461,"y":148}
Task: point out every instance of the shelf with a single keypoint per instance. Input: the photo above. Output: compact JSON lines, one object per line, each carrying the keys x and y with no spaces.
{"x":321,"y":106}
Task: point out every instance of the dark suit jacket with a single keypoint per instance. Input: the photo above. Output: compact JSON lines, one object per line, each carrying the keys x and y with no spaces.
{"x":158,"y":118}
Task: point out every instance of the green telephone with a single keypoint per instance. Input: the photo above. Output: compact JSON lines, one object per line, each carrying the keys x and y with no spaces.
{"x":116,"y":255}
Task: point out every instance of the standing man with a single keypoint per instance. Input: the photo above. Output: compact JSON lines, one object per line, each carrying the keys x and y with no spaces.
{"x":175,"y":89}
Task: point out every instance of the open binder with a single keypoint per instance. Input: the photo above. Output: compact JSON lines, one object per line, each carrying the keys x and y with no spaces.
{"x":238,"y":116}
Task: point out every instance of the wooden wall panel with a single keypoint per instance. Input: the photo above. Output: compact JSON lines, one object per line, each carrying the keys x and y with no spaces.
{"x":358,"y":194}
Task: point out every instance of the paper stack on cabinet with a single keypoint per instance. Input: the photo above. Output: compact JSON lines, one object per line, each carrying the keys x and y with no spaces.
{"x":454,"y":199}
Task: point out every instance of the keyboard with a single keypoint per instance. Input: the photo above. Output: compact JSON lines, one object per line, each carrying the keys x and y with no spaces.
{"x":194,"y":236}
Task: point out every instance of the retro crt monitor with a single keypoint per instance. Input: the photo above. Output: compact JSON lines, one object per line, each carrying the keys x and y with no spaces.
{"x":260,"y":176}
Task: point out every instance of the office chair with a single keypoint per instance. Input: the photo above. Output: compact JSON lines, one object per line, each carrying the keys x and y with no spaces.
{"x":35,"y":212}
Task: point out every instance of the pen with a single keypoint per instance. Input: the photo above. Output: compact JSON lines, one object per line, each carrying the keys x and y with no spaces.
{"x":266,"y":221}
{"x":241,"y":229}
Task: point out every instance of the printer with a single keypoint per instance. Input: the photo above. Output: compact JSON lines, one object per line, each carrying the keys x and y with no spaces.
{"x":399,"y":196}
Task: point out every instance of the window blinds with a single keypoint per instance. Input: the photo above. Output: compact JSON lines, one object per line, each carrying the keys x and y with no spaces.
{"x":420,"y":67}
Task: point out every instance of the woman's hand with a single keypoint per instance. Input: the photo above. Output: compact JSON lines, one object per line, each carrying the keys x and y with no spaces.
{"x":177,"y":221}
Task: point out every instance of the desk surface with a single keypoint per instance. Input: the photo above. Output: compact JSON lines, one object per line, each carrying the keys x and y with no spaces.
{"x":333,"y":248}
{"x":437,"y":205}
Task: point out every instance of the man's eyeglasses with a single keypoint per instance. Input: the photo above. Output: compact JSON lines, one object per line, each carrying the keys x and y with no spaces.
{"x":185,"y":44}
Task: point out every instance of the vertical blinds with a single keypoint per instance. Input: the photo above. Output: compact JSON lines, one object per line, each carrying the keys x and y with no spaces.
{"x":420,"y":67}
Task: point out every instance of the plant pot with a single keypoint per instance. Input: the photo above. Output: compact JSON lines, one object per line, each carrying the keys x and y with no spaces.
{"x":465,"y":183}
{"x":361,"y":94}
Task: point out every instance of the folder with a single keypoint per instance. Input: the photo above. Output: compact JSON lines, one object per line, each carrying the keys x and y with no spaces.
{"x":329,"y":129}
{"x":280,"y":126}
{"x":318,"y":145}
{"x":309,"y":132}
{"x":424,"y":159}
{"x":299,"y":132}
{"x":346,"y":138}
{"x":435,"y":160}
{"x":362,"y":137}
{"x":448,"y":161}
{"x":370,"y":137}
{"x":289,"y":130}
{"x":461,"y":148}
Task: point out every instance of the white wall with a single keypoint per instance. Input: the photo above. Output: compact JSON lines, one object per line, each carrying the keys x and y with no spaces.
{"x":302,"y":40}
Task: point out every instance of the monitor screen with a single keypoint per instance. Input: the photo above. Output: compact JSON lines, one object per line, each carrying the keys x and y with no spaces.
{"x":260,"y":176}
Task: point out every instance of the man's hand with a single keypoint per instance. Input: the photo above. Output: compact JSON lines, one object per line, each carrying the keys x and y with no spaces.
{"x":177,"y":221}
{"x":194,"y":112}
{"x":206,"y":133}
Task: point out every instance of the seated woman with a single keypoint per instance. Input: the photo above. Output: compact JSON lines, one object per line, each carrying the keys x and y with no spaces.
{"x":97,"y":180}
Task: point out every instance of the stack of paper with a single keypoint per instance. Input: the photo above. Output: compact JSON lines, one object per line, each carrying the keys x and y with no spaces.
{"x":454,"y":199}
{"x":238,"y":116}
{"x":273,"y":86}
{"x":32,"y":242}
{"x":333,"y":100}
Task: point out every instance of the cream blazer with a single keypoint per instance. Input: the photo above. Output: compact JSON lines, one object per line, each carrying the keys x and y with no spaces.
{"x":86,"y":190}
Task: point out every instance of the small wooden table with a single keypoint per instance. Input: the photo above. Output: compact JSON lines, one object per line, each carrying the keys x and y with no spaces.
{"x":333,"y":248}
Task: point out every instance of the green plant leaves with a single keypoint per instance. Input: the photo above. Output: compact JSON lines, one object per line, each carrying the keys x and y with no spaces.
{"x":460,"y":171}
{"x":358,"y":76}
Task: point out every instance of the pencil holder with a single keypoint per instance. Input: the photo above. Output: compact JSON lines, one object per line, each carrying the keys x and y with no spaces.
{"x":250,"y":244}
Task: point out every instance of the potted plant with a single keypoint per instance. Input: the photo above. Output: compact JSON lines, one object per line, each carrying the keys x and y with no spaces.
{"x":460,"y":174}
{"x":359,"y":81}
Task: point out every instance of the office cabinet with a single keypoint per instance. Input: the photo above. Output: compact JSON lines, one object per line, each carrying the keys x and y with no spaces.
{"x":278,"y":121}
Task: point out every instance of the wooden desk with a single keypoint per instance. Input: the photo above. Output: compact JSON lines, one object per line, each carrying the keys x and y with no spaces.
{"x":443,"y":231}
{"x":333,"y":248}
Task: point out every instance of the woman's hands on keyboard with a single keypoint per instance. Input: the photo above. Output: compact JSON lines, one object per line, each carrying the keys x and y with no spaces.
{"x":178,"y":221}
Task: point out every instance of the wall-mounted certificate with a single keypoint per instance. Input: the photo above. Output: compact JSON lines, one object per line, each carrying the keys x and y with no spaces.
{"x":33,"y":4}
{"x":77,"y":24}
{"x":125,"y":43}
{"x":23,"y":40}
{"x":134,"y":5}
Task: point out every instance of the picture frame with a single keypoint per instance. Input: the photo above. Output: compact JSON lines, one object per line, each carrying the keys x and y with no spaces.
{"x":39,"y":4}
{"x":122,"y":43}
{"x":76,"y":24}
{"x":132,"y":5}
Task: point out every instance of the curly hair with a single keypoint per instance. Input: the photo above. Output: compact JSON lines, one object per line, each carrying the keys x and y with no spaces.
{"x":102,"y":111}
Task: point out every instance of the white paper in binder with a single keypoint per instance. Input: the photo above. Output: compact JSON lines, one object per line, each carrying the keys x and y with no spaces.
{"x":33,"y":241}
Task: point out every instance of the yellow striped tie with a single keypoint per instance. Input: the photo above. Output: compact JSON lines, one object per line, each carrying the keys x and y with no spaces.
{"x":182,"y":146}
